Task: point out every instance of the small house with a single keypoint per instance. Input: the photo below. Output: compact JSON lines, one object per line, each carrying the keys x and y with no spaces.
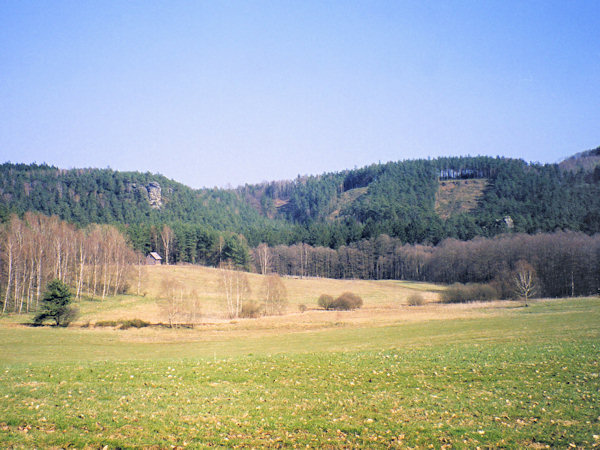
{"x":153,"y":259}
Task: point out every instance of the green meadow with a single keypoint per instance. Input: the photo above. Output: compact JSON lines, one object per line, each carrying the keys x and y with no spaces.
{"x":508,"y":377}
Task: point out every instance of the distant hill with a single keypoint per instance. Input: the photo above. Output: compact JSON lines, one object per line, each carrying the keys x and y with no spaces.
{"x":86,"y":196}
{"x":586,"y":161}
{"x":415,"y":201}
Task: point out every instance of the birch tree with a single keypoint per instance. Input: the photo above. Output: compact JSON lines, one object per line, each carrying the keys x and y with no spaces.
{"x":525,"y":280}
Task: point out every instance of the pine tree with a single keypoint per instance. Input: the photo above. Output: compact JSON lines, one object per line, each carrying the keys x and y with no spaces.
{"x":55,"y":304}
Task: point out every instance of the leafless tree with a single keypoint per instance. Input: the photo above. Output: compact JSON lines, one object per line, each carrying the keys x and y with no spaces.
{"x":38,"y":248}
{"x":263,"y":257}
{"x":235,"y":287}
{"x":171,"y":300}
{"x":525,"y":280}
{"x":275,"y":294}
{"x":166,"y":235}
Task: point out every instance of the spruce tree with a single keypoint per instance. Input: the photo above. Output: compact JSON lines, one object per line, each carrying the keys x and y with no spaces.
{"x":55,"y":304}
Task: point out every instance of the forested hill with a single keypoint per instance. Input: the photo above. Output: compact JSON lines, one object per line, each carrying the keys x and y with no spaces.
{"x":85,"y":196}
{"x":400,"y":199}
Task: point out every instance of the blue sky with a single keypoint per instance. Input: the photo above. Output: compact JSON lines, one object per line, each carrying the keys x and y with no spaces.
{"x":214,"y":93}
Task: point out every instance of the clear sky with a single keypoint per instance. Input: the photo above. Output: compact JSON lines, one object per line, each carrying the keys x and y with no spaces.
{"x":217,"y":93}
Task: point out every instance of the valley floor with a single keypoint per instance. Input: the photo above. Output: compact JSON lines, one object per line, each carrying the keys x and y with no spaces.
{"x":498,"y":375}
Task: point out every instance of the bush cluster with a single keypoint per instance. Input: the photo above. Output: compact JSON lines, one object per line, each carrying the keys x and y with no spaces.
{"x":462,"y":293}
{"x":251,"y":310}
{"x":133,"y":323}
{"x":325,"y":301}
{"x":106,"y":323}
{"x":415,"y":300}
{"x":345,"y":302}
{"x":123,"y":324}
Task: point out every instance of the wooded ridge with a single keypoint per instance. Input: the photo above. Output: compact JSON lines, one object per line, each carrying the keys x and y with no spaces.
{"x":397,"y":199}
{"x":383,"y":221}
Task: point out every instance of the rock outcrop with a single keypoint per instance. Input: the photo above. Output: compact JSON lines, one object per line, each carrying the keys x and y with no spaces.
{"x":154,"y":194}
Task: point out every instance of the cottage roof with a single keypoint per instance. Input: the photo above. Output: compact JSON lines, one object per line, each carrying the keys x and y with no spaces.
{"x":155,"y":256}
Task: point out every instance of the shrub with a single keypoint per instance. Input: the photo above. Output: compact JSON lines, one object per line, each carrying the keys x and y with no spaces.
{"x":69,"y":316}
{"x":302,"y":307}
{"x":462,"y":293}
{"x":415,"y":300}
{"x":133,"y":323}
{"x":504,"y":285}
{"x":347,"y":301}
{"x":325,"y":301}
{"x":275,"y":295}
{"x":250,"y":310}
{"x":106,"y":323}
{"x":123,"y":324}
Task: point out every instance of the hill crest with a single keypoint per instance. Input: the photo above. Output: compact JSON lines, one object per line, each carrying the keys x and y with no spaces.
{"x":405,"y":199}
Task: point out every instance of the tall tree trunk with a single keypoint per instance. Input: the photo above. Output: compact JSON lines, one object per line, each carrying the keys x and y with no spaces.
{"x":10,"y":275}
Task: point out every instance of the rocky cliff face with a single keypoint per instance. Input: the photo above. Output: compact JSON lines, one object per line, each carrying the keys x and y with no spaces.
{"x":154,"y":194}
{"x":151,"y":192}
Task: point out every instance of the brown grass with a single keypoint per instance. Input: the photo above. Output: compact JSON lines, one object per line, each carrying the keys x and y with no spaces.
{"x":458,"y":196}
{"x":377,"y":295}
{"x":385,"y":303}
{"x":347,"y":198}
{"x":313,"y":321}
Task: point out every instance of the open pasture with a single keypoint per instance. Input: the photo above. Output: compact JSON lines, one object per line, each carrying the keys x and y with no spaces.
{"x":507,"y":376}
{"x":204,"y":283}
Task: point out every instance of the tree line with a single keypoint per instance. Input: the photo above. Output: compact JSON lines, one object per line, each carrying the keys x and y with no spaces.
{"x":566,"y":263}
{"x":189,"y":243}
{"x":95,"y":260}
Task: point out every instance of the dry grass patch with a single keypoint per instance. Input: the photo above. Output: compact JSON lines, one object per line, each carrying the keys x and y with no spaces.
{"x":458,"y":196}
{"x":205,"y":282}
{"x":318,"y":320}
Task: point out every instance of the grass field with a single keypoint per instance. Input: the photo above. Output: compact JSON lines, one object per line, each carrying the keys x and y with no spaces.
{"x":497,"y":375}
{"x":204,"y":281}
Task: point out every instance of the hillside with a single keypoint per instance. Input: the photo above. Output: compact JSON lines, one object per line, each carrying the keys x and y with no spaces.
{"x":458,"y":196}
{"x":587,"y":161}
{"x":86,"y":196}
{"x":408,"y":200}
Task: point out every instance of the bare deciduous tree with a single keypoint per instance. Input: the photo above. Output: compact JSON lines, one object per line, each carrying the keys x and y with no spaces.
{"x":166,"y":235}
{"x":525,"y":280}
{"x":235,"y":287}
{"x":38,"y":248}
{"x":171,"y":300}
{"x":179,"y":304}
{"x":275,"y":294}
{"x":263,"y":256}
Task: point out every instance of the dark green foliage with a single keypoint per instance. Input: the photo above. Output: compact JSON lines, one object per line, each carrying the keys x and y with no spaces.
{"x":88,"y":196}
{"x":399,"y":197}
{"x":462,"y":293}
{"x":55,"y":305}
{"x":330,"y":210}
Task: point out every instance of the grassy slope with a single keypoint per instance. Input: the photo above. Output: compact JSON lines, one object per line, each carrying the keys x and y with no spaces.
{"x":205,"y":282}
{"x":458,"y":196}
{"x":504,"y":376}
